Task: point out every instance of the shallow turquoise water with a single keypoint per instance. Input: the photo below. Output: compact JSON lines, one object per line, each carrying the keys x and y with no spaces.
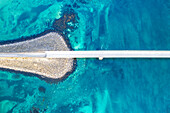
{"x":107,"y":86}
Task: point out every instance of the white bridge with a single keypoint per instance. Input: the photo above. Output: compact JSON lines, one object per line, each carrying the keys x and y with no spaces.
{"x":93,"y":54}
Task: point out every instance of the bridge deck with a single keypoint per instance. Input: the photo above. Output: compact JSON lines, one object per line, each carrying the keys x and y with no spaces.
{"x":92,"y":54}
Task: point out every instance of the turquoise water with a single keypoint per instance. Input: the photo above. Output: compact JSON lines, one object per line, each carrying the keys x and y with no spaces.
{"x":107,"y":86}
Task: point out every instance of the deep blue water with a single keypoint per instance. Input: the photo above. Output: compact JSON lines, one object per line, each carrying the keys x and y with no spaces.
{"x":107,"y":86}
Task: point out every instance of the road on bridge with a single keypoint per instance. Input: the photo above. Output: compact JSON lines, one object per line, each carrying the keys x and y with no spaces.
{"x":93,"y":54}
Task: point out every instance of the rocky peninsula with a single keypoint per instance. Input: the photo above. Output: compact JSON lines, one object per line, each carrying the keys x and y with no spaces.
{"x":45,"y":67}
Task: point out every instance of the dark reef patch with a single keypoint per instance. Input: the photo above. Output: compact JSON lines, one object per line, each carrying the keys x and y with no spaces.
{"x":42,"y":89}
{"x":2,"y":98}
{"x":62,"y":24}
{"x":17,"y":76}
{"x":75,"y":5}
{"x":82,"y":1}
{"x":34,"y":110}
{"x":30,"y":16}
